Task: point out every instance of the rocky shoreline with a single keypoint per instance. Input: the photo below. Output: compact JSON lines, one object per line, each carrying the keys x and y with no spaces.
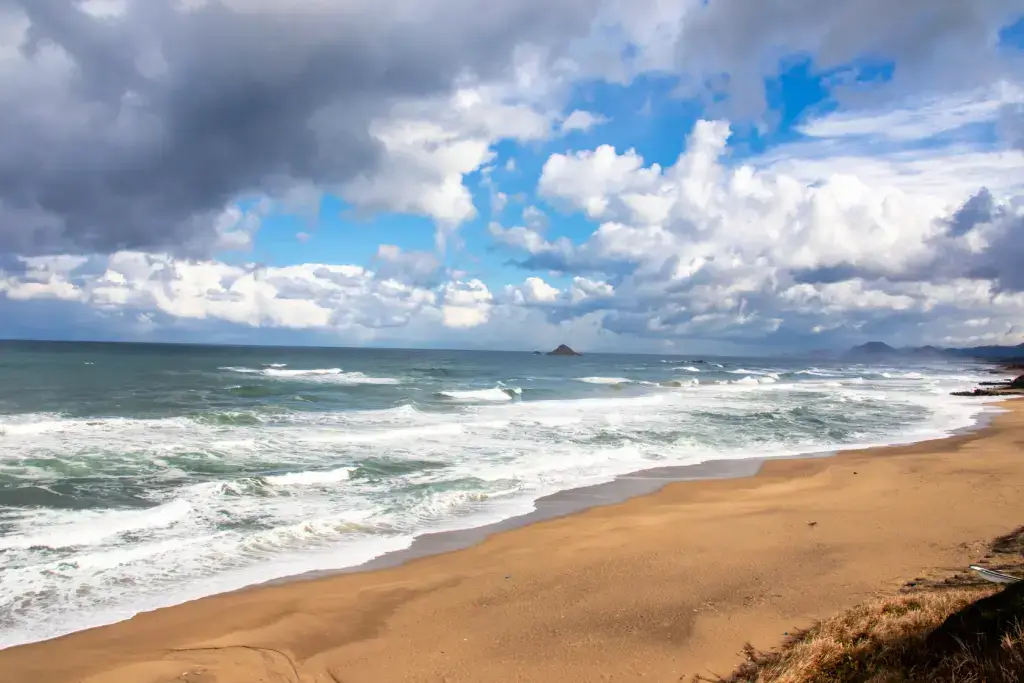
{"x":1008,"y":387}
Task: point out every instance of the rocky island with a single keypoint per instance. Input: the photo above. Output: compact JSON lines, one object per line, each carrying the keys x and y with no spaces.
{"x":563,"y":350}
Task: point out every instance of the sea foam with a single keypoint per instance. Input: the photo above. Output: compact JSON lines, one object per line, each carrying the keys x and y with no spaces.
{"x":191,"y":504}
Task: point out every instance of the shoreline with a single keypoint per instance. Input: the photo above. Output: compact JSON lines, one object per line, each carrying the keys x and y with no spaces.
{"x":300,"y":617}
{"x":622,"y":488}
{"x":566,"y":502}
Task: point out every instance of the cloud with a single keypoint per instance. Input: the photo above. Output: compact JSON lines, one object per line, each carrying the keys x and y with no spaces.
{"x":582,"y":121}
{"x":938,"y":45}
{"x":934,"y":146}
{"x":411,"y":267}
{"x":983,"y":242}
{"x":582,"y":296}
{"x":140,"y":296}
{"x":430,"y":145}
{"x":465,"y":304}
{"x":308,"y":296}
{"x":154,"y":135}
{"x":706,"y":249}
{"x":131,"y":125}
{"x":975,"y":211}
{"x":536,"y":290}
{"x":917,"y":119}
{"x":591,"y":179}
{"x":1011,"y":122}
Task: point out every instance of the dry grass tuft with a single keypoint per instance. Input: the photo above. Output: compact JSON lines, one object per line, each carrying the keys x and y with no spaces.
{"x":951,"y":632}
{"x":885,"y":642}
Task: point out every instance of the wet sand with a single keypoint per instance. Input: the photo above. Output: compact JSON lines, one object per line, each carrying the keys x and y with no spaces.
{"x":655,"y":588}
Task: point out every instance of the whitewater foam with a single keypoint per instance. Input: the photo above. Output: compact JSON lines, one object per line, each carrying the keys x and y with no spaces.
{"x":815,"y":372}
{"x":496,"y":394}
{"x":313,"y":478}
{"x":265,"y":489}
{"x":91,"y":528}
{"x":763,"y":373}
{"x":680,"y":383}
{"x":328,"y":375}
{"x":316,"y":372}
{"x":605,"y":380}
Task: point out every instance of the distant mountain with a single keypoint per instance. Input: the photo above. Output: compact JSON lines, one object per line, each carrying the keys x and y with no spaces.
{"x":876,"y":350}
{"x":873,"y":349}
{"x":991,"y":352}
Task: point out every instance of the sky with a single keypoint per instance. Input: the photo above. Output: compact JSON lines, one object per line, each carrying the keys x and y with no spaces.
{"x":655,"y":176}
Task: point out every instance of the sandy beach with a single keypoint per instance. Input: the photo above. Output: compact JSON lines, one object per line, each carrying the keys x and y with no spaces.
{"x":656,"y":588}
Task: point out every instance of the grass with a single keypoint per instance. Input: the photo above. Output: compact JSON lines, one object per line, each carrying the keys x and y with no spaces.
{"x":957,"y":630}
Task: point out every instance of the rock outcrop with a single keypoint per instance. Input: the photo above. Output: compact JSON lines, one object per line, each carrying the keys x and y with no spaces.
{"x":563,"y":350}
{"x":1005,"y":388}
{"x":979,"y":392}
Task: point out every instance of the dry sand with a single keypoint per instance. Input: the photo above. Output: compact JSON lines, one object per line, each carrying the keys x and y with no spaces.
{"x":654,"y":589}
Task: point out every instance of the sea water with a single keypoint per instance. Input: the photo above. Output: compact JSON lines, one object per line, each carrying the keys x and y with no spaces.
{"x":138,"y":476}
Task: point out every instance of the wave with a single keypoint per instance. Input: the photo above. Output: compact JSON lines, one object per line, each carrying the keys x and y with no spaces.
{"x":32,"y":424}
{"x":815,"y":372}
{"x":761,"y":373}
{"x":499,"y":393}
{"x":748,"y":380}
{"x":905,"y":375}
{"x":688,"y":368}
{"x":53,"y":424}
{"x":316,"y":372}
{"x":605,"y":380}
{"x":97,"y":527}
{"x":678,"y":383}
{"x":350,"y":378}
{"x":328,"y":375}
{"x":230,"y":418}
{"x":310,"y":478}
{"x":432,"y":470}
{"x":435,"y":431}
{"x":244,"y":371}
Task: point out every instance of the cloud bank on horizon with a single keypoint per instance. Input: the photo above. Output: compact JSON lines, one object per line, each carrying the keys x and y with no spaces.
{"x":651,"y":175}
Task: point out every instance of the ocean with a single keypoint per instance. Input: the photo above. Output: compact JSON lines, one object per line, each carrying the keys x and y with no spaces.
{"x":138,"y":476}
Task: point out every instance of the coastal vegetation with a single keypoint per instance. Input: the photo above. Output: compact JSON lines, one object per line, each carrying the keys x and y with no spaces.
{"x":957,"y":629}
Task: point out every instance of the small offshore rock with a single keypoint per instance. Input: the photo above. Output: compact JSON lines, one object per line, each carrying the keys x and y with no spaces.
{"x":563,"y":350}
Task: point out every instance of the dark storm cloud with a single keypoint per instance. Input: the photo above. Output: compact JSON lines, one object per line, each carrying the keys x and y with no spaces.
{"x":1001,"y":228}
{"x":827,"y":275}
{"x":168,"y":114}
{"x":1001,"y":261}
{"x":976,"y":210}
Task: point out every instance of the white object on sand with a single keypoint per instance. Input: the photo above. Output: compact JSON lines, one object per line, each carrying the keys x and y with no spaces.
{"x":994,"y":576}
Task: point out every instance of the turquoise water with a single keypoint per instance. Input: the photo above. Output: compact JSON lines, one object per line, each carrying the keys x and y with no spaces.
{"x":138,"y":476}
